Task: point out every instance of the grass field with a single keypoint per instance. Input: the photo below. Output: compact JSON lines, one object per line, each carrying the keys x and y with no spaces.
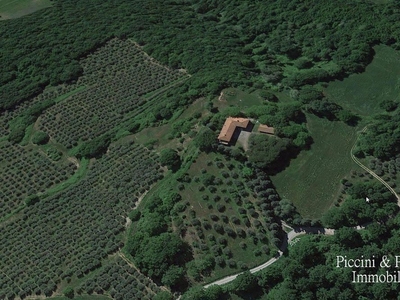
{"x":11,"y":9}
{"x":312,"y":180}
{"x":163,"y":136}
{"x":362,"y":93}
{"x":236,"y":97}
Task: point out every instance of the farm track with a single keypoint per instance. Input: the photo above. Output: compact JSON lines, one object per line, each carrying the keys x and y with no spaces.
{"x":122,"y":255}
{"x":297,"y":231}
{"x":372,"y":172}
{"x":149,"y":101}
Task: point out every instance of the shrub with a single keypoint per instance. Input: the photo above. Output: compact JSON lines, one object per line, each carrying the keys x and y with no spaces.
{"x":303,"y":63}
{"x":31,"y":200}
{"x":170,"y":158}
{"x":229,"y":231}
{"x":227,"y":252}
{"x":54,"y":154}
{"x":388,"y":105}
{"x":207,"y":179}
{"x":211,"y":237}
{"x":214,"y":217}
{"x":134,"y":215}
{"x":218,"y":228}
{"x":40,"y":138}
{"x":68,"y":292}
{"x":235,"y":220}
{"x":268,"y":96}
{"x":219,"y":260}
{"x":222,"y":241}
{"x":220,"y":207}
{"x":212,"y":189}
{"x":232,"y":263}
{"x":216,"y":250}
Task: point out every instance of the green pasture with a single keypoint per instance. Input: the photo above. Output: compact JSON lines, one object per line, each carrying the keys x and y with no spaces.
{"x":11,"y":9}
{"x":162,"y":137}
{"x":236,"y":97}
{"x":363,"y":92}
{"x":312,"y":180}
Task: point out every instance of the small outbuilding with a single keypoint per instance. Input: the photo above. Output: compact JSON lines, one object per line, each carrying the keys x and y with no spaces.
{"x":266,"y":129}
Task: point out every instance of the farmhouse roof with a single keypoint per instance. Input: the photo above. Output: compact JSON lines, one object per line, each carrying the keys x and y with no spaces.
{"x":229,"y":128}
{"x":266,"y":129}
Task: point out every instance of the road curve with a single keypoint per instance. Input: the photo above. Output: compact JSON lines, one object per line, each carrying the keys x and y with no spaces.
{"x":355,"y":159}
{"x":295,"y":232}
{"x":291,"y":235}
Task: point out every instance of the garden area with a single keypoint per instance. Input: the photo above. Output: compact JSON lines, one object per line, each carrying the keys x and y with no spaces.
{"x":221,"y":217}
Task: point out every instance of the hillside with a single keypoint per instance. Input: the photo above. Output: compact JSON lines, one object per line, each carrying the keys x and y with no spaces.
{"x":118,"y":180}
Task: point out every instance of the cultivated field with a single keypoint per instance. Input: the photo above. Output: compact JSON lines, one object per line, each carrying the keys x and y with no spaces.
{"x":65,"y":236}
{"x":222,"y":217}
{"x":11,"y":9}
{"x":120,"y":79}
{"x":72,"y":238}
{"x":120,"y":280}
{"x":362,"y":93}
{"x":312,"y":180}
{"x":28,"y":171}
{"x":116,"y":279}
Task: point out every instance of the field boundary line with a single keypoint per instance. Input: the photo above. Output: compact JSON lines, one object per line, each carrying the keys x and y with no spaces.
{"x":122,"y":255}
{"x":4,"y":5}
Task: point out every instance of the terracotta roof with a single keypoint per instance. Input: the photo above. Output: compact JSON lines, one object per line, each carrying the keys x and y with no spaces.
{"x":229,"y":128}
{"x":266,"y":129}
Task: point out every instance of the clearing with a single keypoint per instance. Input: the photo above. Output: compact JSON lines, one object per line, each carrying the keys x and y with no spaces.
{"x":312,"y":180}
{"x":236,"y":97}
{"x":362,"y":93}
{"x":11,"y":9}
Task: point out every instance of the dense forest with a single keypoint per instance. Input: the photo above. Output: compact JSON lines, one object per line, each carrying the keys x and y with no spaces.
{"x":225,"y":43}
{"x":382,"y":139}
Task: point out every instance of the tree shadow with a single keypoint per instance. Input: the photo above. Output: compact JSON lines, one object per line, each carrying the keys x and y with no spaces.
{"x":285,"y":158}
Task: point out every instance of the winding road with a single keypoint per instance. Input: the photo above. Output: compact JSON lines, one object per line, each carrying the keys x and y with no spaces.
{"x":291,"y":236}
{"x":297,"y":231}
{"x":355,"y":159}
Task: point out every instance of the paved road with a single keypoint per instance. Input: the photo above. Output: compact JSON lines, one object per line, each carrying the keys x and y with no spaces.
{"x":295,"y":232}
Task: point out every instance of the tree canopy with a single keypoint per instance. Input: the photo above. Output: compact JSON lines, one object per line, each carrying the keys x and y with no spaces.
{"x":159,"y":255}
{"x":264,"y":150}
{"x":170,"y":158}
{"x":382,"y":139}
{"x":205,"y":140}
